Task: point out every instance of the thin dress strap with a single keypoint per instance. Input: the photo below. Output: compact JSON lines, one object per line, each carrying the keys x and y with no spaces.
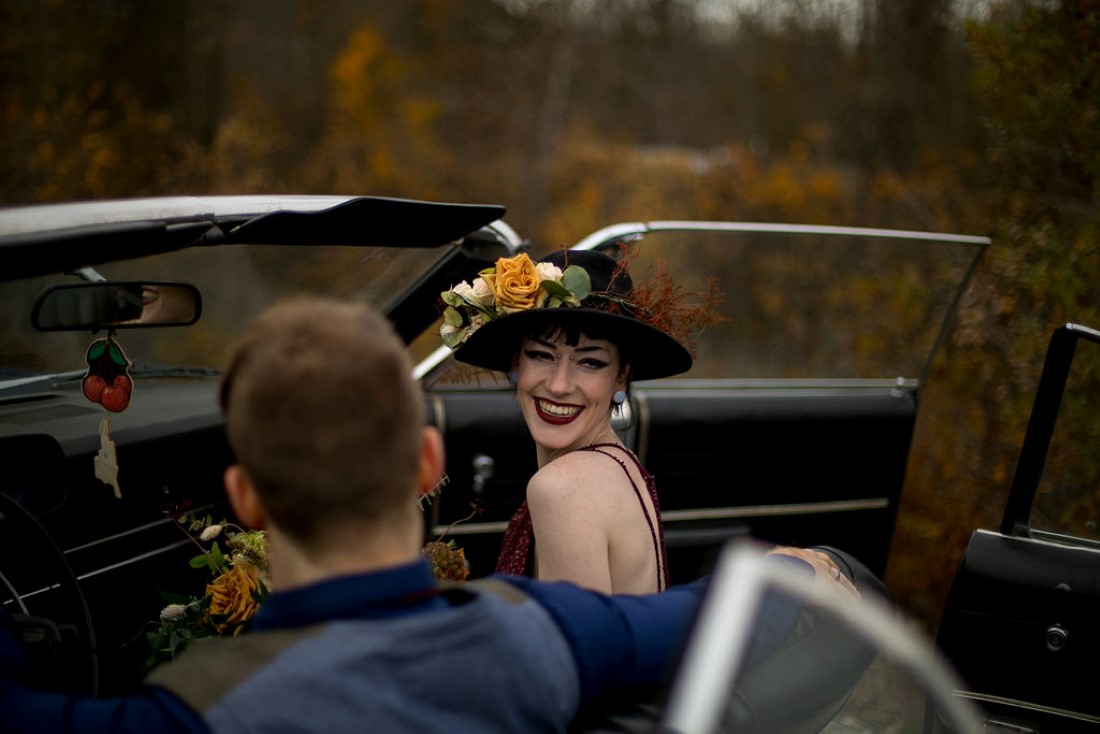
{"x":656,"y":530}
{"x":517,"y":555}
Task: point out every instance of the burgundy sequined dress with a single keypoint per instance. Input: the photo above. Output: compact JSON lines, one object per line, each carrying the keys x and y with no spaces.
{"x":517,"y":552}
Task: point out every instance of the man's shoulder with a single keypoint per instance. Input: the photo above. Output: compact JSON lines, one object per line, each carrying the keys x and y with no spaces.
{"x":208,"y":668}
{"x":500,"y":586}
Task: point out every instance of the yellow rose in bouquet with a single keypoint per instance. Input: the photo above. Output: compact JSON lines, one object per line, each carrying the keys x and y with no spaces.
{"x":234,"y":598}
{"x":228,"y":603}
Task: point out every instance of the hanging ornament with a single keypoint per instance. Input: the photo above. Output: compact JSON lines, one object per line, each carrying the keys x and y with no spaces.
{"x":108,"y":381}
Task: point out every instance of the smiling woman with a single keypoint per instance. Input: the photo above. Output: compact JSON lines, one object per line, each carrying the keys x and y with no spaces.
{"x":572,"y":331}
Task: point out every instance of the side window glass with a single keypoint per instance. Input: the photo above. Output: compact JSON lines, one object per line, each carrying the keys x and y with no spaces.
{"x":1068,"y":497}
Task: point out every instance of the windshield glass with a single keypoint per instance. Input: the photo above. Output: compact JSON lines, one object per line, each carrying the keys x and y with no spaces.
{"x":799,"y":303}
{"x":814,"y":305}
{"x":236,"y":283}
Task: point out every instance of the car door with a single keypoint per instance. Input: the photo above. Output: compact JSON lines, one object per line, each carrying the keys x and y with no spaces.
{"x":1020,"y":622}
{"x":793,"y":426}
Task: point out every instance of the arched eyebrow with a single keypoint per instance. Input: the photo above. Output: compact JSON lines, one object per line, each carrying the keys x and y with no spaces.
{"x":588,"y":348}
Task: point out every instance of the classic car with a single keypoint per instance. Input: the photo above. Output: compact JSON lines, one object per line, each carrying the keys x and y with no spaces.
{"x":794,"y":425}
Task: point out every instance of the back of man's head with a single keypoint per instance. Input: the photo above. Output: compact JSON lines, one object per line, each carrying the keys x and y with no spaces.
{"x":324,"y":416}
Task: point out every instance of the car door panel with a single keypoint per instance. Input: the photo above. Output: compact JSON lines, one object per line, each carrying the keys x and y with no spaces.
{"x":786,"y":447}
{"x":1019,"y":623}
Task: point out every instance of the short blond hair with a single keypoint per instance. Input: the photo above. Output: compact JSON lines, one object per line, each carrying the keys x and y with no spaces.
{"x":324,"y":416}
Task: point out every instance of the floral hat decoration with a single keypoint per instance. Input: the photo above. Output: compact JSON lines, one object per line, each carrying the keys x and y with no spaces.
{"x":483,"y":322}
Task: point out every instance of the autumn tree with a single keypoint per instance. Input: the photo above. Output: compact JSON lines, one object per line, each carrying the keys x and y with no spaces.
{"x":1037,"y":79}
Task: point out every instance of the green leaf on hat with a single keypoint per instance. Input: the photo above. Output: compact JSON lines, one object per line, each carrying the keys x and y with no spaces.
{"x":576,"y":281}
{"x":452,"y":316}
{"x":452,"y":340}
{"x":556,"y":289}
{"x":453,"y":299}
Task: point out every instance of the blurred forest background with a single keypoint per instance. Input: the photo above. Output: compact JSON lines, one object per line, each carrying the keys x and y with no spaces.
{"x":969,"y":117}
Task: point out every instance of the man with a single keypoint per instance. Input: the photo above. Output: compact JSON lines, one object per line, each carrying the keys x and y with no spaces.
{"x":328,"y":428}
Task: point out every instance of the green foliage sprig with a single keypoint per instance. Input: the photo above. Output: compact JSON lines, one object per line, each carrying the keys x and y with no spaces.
{"x":225,"y":608}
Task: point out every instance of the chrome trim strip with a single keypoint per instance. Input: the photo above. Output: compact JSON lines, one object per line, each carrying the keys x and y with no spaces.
{"x":1071,"y":543}
{"x":1017,"y":703}
{"x":112,"y":567}
{"x":473,"y":528}
{"x":617,"y":231}
{"x":714,"y":513}
{"x":430,"y":362}
{"x":132,"y":531}
{"x":805,"y":508}
{"x":135,"y":559}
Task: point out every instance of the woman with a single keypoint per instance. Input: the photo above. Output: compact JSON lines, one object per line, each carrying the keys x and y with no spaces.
{"x":570,"y":333}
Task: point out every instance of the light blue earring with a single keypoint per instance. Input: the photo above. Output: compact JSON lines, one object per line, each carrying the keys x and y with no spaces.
{"x":619,"y":397}
{"x":513,"y":378}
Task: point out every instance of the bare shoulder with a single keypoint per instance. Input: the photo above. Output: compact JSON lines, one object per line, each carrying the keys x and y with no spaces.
{"x":579,"y":477}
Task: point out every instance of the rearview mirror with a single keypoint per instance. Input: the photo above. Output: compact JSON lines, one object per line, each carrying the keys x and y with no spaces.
{"x":116,"y":305}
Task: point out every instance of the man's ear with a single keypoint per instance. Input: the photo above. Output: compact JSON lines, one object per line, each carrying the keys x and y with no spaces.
{"x":243,"y":498}
{"x":431,"y":460}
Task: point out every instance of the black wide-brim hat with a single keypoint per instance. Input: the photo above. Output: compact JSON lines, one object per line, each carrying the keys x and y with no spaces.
{"x":651,"y":353}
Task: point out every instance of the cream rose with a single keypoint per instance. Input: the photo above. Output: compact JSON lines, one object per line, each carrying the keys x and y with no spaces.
{"x":549,"y":271}
{"x":515,"y":284}
{"x":481,"y":293}
{"x":465,"y":290}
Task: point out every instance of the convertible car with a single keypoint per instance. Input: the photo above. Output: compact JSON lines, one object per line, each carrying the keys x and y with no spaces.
{"x":794,"y":425}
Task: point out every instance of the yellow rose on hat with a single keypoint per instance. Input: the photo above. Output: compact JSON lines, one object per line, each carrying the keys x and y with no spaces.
{"x":516,"y":284}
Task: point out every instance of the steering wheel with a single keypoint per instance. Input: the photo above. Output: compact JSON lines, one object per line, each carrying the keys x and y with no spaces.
{"x":60,"y":642}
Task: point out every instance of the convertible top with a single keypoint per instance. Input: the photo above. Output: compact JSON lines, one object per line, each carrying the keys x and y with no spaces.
{"x":52,"y":238}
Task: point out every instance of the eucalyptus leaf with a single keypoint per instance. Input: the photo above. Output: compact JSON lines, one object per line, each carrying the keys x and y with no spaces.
{"x":199,"y":561}
{"x":451,"y":341}
{"x":452,"y":299}
{"x":576,"y":280}
{"x":555,"y":289}
{"x":453,"y":317}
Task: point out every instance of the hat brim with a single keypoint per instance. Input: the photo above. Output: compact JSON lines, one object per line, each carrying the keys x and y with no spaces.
{"x":652,"y":353}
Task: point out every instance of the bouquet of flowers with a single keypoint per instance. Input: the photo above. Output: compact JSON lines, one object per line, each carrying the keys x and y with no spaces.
{"x":238,"y":587}
{"x":240,"y":581}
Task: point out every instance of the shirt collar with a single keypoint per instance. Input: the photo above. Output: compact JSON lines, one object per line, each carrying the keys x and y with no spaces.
{"x":391,"y":592}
